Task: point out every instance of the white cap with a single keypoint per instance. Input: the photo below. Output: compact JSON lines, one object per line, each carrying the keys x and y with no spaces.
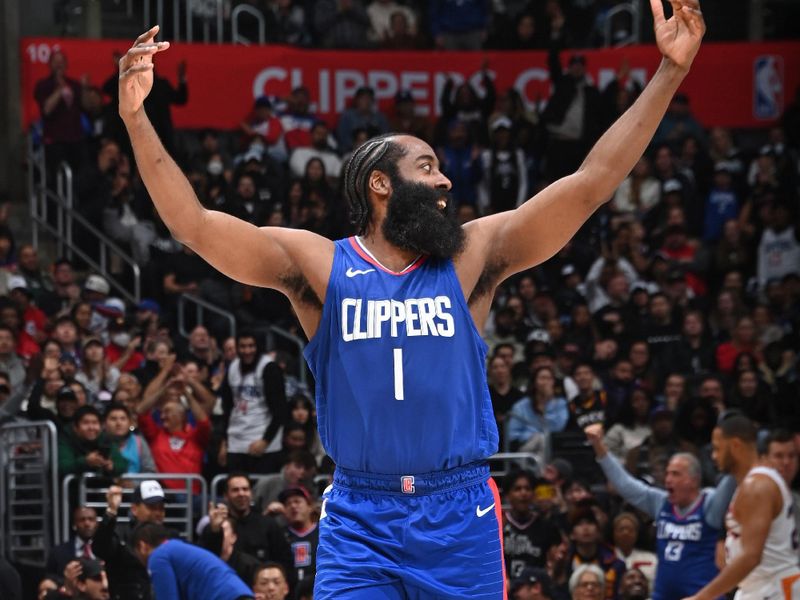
{"x":148,"y":492}
{"x":115,"y":304}
{"x":17,"y":281}
{"x":501,"y":122}
{"x":96,"y":283}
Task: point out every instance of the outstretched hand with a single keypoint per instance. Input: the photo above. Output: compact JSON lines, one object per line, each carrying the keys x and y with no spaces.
{"x":679,"y":37}
{"x":136,"y":72}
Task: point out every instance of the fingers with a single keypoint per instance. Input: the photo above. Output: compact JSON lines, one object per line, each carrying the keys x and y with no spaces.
{"x":658,"y":11}
{"x":136,"y":69}
{"x":147,"y":35}
{"x":689,"y":13}
{"x":147,"y":49}
{"x":137,"y":53}
{"x":694,"y":15}
{"x":679,"y":14}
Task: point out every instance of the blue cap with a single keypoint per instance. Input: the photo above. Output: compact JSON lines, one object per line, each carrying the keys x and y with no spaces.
{"x":68,"y":357}
{"x":148,"y":304}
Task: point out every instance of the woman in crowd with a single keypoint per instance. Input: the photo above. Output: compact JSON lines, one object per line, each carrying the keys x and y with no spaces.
{"x":633,"y":426}
{"x":302,"y":411}
{"x":540,"y":412}
{"x":98,"y":377}
{"x":118,"y":426}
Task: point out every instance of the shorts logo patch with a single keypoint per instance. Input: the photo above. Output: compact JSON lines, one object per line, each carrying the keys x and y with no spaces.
{"x":407,"y":482}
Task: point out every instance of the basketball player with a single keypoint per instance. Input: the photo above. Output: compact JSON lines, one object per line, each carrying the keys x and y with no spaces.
{"x":761,"y":545}
{"x":394,"y":316}
{"x":688,"y":518}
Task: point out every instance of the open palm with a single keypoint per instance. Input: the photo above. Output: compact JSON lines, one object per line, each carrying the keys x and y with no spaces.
{"x":679,"y":37}
{"x":136,"y":72}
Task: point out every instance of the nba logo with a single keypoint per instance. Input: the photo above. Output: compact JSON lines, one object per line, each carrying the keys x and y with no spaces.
{"x":408,"y":484}
{"x":768,"y":87}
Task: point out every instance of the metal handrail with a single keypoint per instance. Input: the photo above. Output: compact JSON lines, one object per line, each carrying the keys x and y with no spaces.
{"x":105,"y":245}
{"x":253,"y":12}
{"x":274,"y":330}
{"x":183,"y":18}
{"x":202,"y":305}
{"x":188,"y":480}
{"x":49,"y":455}
{"x":632,"y":8}
{"x":522,"y":459}
{"x":216,"y":490}
{"x":206,"y":27}
{"x":66,"y":217}
{"x":65,"y":509}
{"x":64,"y":190}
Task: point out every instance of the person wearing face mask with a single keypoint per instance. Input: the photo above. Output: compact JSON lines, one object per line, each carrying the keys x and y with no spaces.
{"x":123,"y":349}
{"x":211,"y":151}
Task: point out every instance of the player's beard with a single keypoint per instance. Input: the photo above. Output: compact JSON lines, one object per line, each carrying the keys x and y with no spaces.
{"x":415,"y":222}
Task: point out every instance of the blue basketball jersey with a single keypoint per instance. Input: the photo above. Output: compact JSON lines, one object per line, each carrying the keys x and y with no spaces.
{"x":400,"y":368}
{"x":686,"y":547}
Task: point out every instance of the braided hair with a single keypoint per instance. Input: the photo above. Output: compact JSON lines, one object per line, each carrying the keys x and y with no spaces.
{"x":379,"y":153}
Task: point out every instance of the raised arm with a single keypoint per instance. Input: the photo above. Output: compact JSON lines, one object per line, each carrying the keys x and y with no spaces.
{"x":642,"y":496}
{"x":267,"y":256}
{"x":540,"y":227}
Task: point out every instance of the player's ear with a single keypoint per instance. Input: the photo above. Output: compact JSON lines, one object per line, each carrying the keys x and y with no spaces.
{"x":379,"y":184}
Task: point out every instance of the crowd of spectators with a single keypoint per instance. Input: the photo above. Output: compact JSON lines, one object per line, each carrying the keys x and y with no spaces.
{"x":436,"y":24}
{"x":677,"y":301}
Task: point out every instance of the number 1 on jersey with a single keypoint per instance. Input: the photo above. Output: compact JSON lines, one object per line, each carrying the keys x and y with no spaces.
{"x":398,"y":374}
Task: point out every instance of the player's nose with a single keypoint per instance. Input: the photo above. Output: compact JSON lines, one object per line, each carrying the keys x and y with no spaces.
{"x":443,"y":182}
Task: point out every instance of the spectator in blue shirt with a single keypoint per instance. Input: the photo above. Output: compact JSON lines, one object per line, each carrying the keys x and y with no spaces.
{"x":722,"y":203}
{"x":181,"y":571}
{"x":459,"y":24}
{"x":541,"y":411}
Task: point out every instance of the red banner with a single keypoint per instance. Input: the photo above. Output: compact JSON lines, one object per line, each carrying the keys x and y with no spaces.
{"x":732,"y":85}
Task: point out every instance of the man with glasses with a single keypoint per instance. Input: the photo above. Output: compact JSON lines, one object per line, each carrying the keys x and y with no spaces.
{"x":587,"y":583}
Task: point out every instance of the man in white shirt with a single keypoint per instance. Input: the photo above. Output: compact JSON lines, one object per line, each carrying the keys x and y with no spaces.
{"x":320,"y":148}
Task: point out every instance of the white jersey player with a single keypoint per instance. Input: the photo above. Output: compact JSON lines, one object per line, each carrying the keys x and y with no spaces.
{"x":761,"y":544}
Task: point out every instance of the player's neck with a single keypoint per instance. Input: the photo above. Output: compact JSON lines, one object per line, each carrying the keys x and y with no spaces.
{"x":387,"y":254}
{"x":743,"y":465}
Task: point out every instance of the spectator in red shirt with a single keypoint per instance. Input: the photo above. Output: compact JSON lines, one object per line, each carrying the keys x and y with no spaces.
{"x":60,"y":100}
{"x":743,"y":339}
{"x":261,"y":127}
{"x":34,"y":319}
{"x":11,"y":317}
{"x":298,"y":120}
{"x":177,"y":446}
{"x":685,"y":251}
{"x":122,"y":350}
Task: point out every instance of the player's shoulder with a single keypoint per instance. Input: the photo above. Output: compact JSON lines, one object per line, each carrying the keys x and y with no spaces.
{"x":756,"y":488}
{"x":301,"y":239}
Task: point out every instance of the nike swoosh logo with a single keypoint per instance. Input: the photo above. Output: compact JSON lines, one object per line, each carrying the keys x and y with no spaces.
{"x":351,"y":272}
{"x":482,"y":511}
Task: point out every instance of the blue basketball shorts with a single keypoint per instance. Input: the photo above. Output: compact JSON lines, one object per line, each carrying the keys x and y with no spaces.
{"x":434,"y":535}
